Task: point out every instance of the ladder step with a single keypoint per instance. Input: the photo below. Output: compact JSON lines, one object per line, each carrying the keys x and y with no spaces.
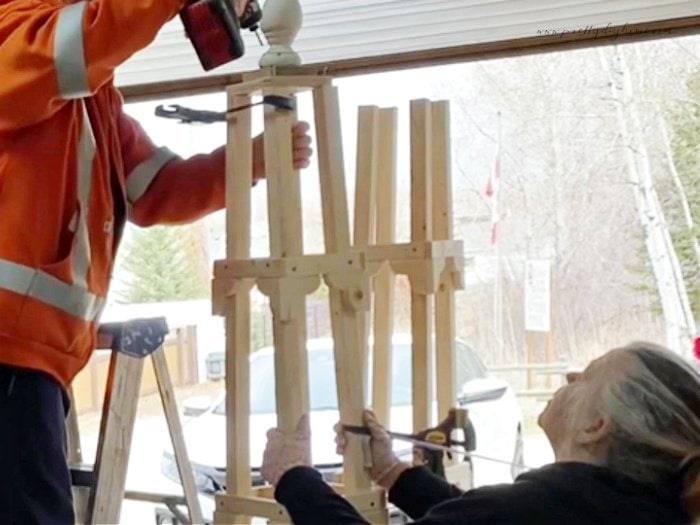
{"x":83,"y":476}
{"x":167,"y":499}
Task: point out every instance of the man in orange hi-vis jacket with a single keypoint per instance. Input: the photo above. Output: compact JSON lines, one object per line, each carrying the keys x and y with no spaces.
{"x":73,"y":168}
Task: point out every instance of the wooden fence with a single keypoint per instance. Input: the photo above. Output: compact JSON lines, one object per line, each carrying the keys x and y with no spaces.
{"x":538,"y":381}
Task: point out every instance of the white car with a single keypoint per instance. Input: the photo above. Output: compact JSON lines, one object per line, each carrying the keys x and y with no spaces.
{"x":493,"y":410}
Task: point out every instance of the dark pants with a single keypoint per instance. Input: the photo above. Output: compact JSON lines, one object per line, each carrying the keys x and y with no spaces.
{"x":35,"y":482}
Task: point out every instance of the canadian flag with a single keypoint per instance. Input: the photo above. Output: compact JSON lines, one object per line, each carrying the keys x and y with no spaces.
{"x":493,"y":192}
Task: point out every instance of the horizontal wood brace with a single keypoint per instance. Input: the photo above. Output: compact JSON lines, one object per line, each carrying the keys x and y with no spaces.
{"x":301,"y":266}
{"x":250,"y":506}
{"x":414,"y":251}
{"x":307,"y":265}
{"x":291,"y":79}
{"x":372,"y":500}
{"x":263,"y":504}
{"x":167,"y":499}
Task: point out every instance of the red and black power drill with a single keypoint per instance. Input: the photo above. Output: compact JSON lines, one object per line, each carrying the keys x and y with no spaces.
{"x":214,"y":28}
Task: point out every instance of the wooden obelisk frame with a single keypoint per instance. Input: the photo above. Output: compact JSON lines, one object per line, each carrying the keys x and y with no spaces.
{"x":286,"y":277}
{"x":433,"y":261}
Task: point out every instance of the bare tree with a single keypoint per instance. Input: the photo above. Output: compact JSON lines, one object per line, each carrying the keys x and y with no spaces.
{"x":678,"y":317}
{"x":564,"y":199}
{"x":681,"y":194}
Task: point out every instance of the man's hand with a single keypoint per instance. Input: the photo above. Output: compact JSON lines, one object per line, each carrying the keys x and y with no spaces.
{"x":286,"y":451}
{"x":240,"y":6}
{"x":386,"y":467}
{"x":301,"y":150}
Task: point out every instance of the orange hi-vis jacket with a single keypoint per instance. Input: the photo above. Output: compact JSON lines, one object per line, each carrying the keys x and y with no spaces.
{"x":73,"y":166}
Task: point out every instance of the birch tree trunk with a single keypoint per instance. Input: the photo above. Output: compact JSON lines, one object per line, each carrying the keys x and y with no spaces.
{"x":680,"y":188}
{"x":678,"y":317}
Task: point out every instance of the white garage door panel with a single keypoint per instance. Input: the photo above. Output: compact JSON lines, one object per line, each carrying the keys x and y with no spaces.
{"x":346,"y":29}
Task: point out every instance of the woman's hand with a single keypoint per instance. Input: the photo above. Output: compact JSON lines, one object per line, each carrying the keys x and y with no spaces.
{"x":286,"y":451}
{"x":301,"y":150}
{"x":386,"y":467}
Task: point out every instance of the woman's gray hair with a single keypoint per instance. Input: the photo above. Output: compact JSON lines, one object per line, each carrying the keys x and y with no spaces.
{"x":655,"y":411}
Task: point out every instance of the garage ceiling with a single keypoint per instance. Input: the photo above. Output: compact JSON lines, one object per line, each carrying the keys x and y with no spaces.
{"x":348,"y":31}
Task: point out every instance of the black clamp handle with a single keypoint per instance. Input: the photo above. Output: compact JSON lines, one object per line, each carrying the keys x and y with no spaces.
{"x":189,"y":116}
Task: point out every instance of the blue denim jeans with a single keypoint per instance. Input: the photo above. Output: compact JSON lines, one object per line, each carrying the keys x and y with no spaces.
{"x":35,"y":485}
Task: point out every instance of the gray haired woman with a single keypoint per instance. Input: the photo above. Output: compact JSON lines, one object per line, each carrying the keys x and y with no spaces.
{"x":626,"y":438}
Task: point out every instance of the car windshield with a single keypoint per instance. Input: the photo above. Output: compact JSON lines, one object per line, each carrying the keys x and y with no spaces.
{"x":322,"y":386}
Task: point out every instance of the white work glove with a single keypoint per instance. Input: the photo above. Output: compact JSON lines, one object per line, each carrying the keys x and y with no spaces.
{"x":286,"y":451}
{"x":384,"y":463}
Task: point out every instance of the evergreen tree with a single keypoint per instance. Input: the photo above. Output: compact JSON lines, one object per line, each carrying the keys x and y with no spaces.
{"x":685,"y":124}
{"x":162,"y":264}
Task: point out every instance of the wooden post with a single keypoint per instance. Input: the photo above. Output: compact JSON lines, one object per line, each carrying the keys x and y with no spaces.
{"x":287,"y":297}
{"x":366,"y":177}
{"x":283,"y":186}
{"x":287,"y":301}
{"x":365,"y":198}
{"x":345,"y":316}
{"x":239,"y":176}
{"x":442,"y":230}
{"x":384,"y":279}
{"x":336,"y":227}
{"x":530,"y":342}
{"x":549,"y":353}
{"x":421,"y":230}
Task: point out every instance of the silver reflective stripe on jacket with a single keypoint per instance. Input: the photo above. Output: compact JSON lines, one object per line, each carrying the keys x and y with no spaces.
{"x":86,"y":154}
{"x":69,"y":53}
{"x":73,"y":299}
{"x":141,"y":177}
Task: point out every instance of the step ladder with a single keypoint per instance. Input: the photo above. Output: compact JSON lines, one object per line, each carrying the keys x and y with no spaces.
{"x":100,"y":489}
